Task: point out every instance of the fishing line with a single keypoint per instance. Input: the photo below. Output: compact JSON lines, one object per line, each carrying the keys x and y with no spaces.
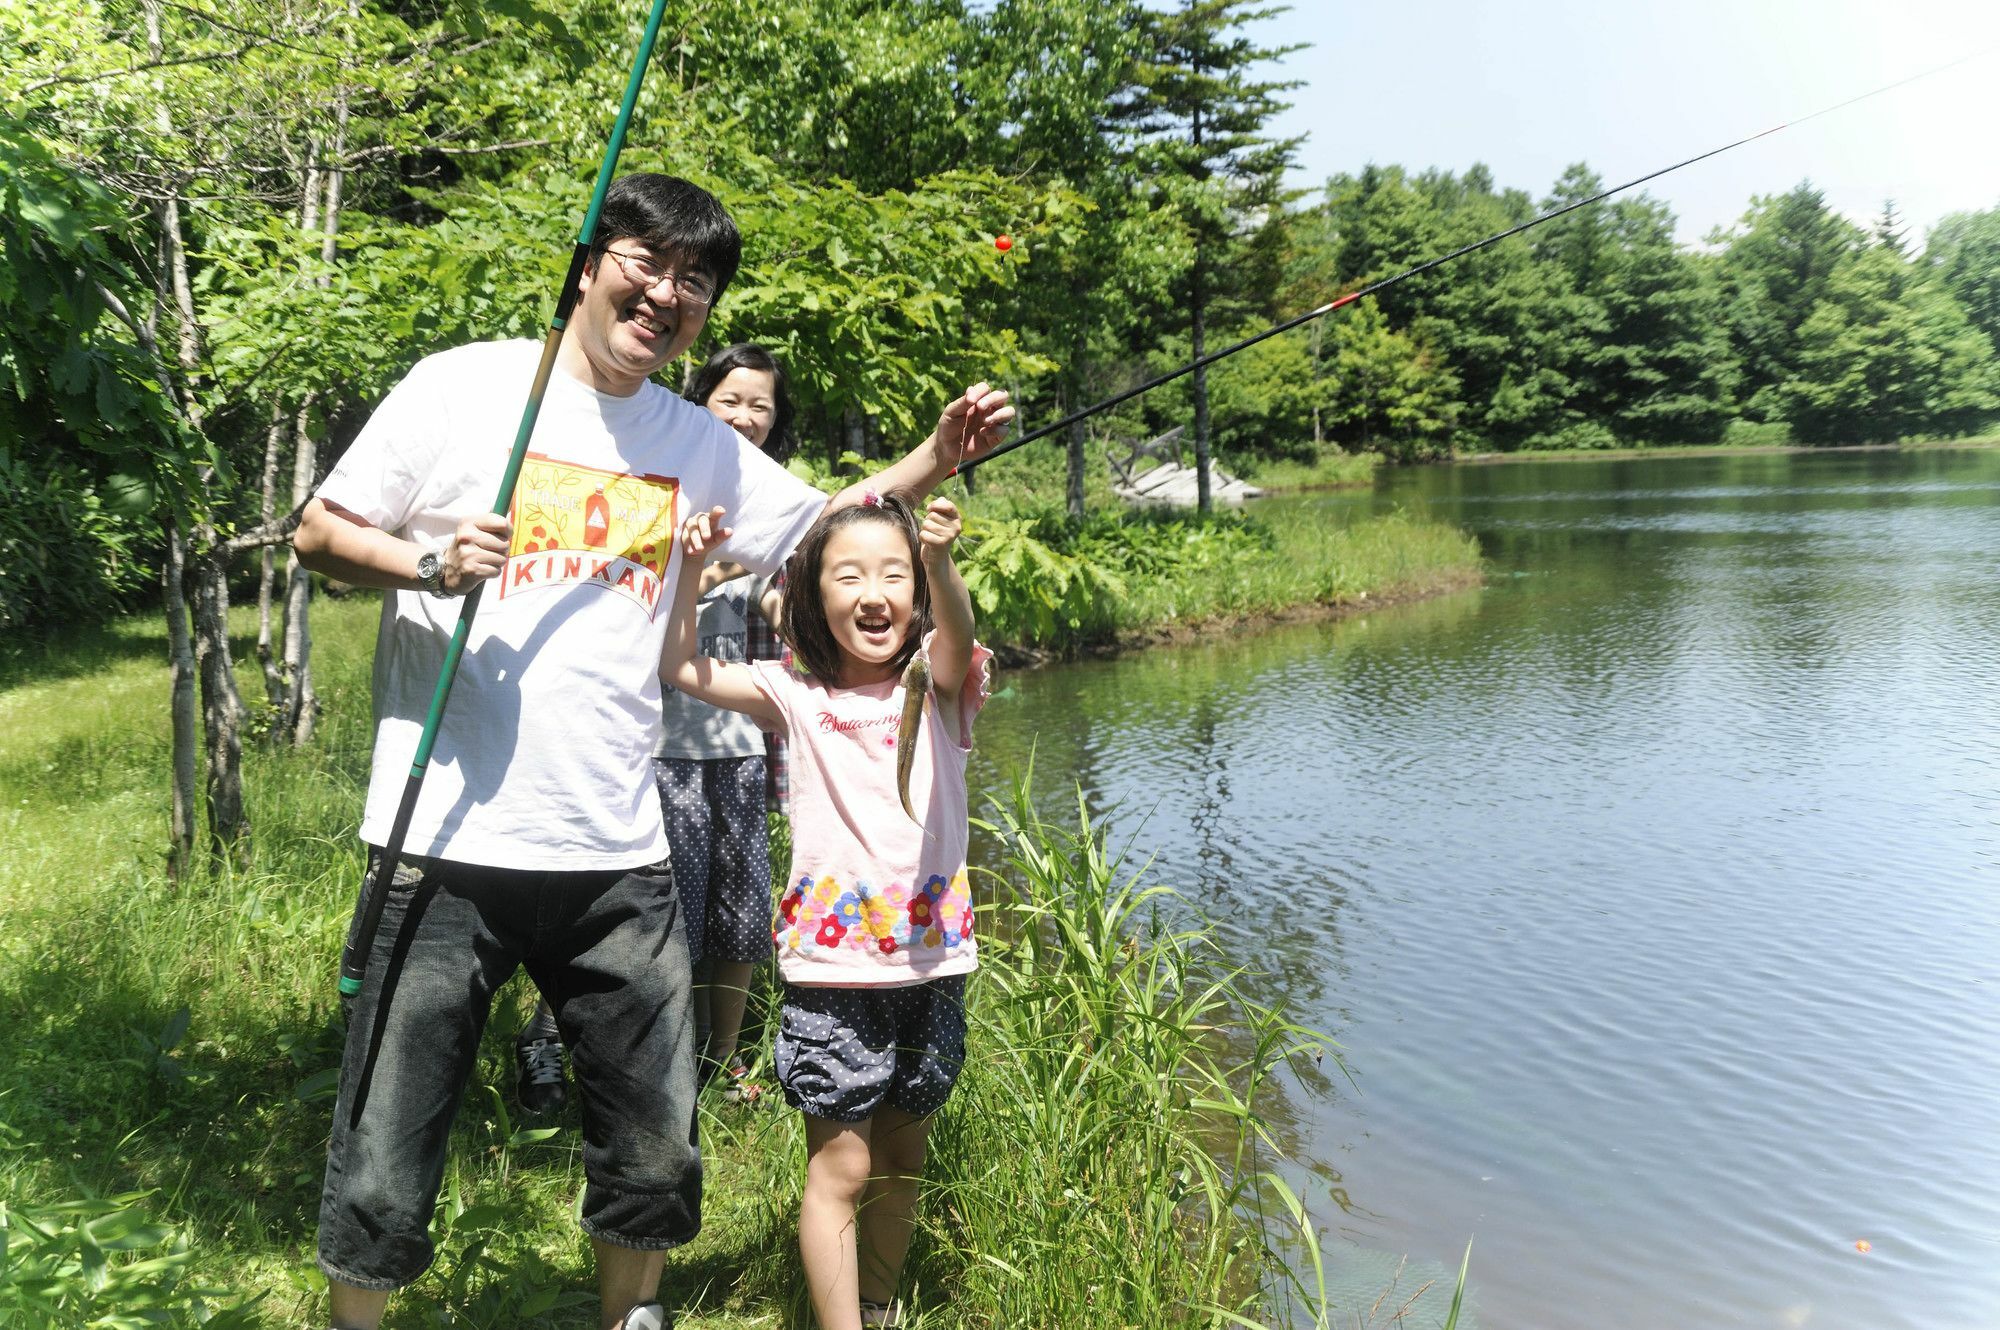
{"x":1384,"y":283}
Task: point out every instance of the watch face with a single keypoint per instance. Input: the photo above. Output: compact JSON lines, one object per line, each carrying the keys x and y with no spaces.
{"x":429,"y":565}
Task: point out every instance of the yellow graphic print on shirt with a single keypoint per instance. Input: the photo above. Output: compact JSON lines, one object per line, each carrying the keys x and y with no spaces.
{"x":580,"y":524}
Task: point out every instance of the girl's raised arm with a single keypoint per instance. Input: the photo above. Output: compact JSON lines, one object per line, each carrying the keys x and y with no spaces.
{"x":722,"y":683}
{"x":951,"y":612}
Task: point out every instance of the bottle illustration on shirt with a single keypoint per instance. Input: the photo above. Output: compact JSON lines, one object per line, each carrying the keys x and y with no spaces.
{"x":596,"y":519}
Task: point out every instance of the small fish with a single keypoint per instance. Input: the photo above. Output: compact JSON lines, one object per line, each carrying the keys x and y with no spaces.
{"x":916,"y":686}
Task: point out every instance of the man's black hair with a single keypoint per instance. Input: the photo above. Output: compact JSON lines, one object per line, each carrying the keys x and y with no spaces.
{"x":679,"y":220}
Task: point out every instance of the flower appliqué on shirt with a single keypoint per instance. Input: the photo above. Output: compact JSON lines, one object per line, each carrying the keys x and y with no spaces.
{"x":825,"y":914}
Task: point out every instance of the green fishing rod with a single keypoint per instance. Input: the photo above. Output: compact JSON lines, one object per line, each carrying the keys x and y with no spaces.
{"x":354,"y":960}
{"x":1383,"y":284}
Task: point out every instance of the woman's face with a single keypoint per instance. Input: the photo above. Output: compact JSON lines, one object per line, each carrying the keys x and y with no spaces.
{"x":747,"y":400}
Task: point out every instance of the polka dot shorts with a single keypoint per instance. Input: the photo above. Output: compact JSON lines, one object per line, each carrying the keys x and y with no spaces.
{"x":721,"y":853}
{"x":844,"y":1052}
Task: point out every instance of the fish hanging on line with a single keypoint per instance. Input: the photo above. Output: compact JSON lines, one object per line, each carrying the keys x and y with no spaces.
{"x":916,"y":687}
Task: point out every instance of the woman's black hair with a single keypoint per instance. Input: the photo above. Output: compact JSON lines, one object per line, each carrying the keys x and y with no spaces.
{"x":681,"y":221}
{"x":782,"y":443}
{"x":804,"y":613}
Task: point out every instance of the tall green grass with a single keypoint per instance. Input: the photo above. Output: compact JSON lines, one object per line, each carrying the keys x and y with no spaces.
{"x":1105,"y":1156}
{"x":1331,"y":470}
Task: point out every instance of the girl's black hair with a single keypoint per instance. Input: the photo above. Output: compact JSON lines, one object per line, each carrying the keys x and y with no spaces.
{"x":680,"y":220}
{"x":745,"y":355}
{"x":804,"y":613}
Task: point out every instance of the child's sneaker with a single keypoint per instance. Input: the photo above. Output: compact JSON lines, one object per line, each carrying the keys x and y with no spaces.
{"x":876,"y":1313}
{"x":647,"y":1316}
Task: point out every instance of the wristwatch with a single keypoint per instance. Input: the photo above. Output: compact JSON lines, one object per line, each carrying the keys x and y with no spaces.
{"x":430,"y":574}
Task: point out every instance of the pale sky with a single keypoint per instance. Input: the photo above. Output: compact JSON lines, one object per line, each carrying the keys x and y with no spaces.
{"x":1633,"y":85}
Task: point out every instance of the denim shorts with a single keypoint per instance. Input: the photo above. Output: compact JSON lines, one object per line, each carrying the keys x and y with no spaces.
{"x":844,"y":1052}
{"x":607,"y":951}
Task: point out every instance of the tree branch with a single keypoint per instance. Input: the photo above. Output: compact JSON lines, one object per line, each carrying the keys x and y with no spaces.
{"x":263,"y":39}
{"x":361,"y":155}
{"x":144,"y":66}
{"x":274,"y":533}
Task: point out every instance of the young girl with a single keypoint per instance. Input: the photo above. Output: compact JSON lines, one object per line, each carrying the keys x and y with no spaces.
{"x":874,"y":928}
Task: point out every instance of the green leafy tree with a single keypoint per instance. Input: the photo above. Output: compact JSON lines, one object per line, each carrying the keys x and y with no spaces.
{"x":1964,"y":252}
{"x":1656,"y":367}
{"x":1889,"y":230}
{"x":1365,"y":385}
{"x":1775,"y":267}
{"x":1514,"y":332}
{"x":1103,"y":269}
{"x":87,"y":440}
{"x":1888,"y":354}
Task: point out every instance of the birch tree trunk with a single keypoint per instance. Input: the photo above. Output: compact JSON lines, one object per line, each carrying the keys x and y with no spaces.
{"x":300,"y":709}
{"x":221,"y":704}
{"x":857,"y":432}
{"x":180,"y":667}
{"x":267,"y":559}
{"x":206,"y":561}
{"x":1073,"y":390}
{"x":281,"y":670}
{"x":1078,"y":435}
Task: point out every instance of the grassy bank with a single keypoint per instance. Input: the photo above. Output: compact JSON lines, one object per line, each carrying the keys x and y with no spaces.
{"x":163,"y":1110}
{"x":1331,"y":470}
{"x":1047,"y":586}
{"x":1711,"y":449}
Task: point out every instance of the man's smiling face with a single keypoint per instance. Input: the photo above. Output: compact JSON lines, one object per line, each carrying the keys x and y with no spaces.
{"x":626,"y":330}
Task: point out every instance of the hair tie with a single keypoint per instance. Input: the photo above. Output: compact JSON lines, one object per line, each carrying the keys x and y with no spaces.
{"x":870,"y":499}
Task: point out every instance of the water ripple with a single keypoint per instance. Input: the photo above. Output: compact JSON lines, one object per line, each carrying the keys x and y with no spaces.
{"x":1653,"y":893}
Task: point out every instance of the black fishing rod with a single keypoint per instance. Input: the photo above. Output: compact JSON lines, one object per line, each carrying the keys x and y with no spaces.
{"x":354,"y":964}
{"x":1385,"y":283}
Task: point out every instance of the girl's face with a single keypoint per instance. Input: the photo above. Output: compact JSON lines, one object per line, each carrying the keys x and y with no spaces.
{"x":747,"y":400}
{"x":868,"y":585}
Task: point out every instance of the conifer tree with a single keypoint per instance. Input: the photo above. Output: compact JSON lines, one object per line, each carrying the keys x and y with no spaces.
{"x":1199,"y":116}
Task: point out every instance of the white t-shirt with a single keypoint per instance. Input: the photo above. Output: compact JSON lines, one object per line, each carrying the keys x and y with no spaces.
{"x":543,"y":759}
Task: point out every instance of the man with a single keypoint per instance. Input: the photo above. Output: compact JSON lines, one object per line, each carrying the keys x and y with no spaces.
{"x":537,"y":841}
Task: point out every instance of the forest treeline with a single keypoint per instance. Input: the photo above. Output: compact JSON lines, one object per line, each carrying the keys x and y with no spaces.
{"x":227,"y":228}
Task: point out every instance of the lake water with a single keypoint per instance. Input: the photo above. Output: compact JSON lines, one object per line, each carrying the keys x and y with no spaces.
{"x":1651,"y":889}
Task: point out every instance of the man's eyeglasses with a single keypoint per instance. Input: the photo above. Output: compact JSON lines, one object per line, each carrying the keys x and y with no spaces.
{"x":691,"y":287}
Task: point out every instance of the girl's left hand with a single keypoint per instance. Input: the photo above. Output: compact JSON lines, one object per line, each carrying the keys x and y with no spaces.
{"x":702,"y":532}
{"x":940,"y":529}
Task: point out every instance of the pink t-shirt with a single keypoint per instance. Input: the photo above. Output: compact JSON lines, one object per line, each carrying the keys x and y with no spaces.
{"x":873,"y":900}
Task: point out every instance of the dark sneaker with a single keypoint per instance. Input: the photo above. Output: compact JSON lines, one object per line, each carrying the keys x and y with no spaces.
{"x":540,"y":1086}
{"x":647,"y":1316}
